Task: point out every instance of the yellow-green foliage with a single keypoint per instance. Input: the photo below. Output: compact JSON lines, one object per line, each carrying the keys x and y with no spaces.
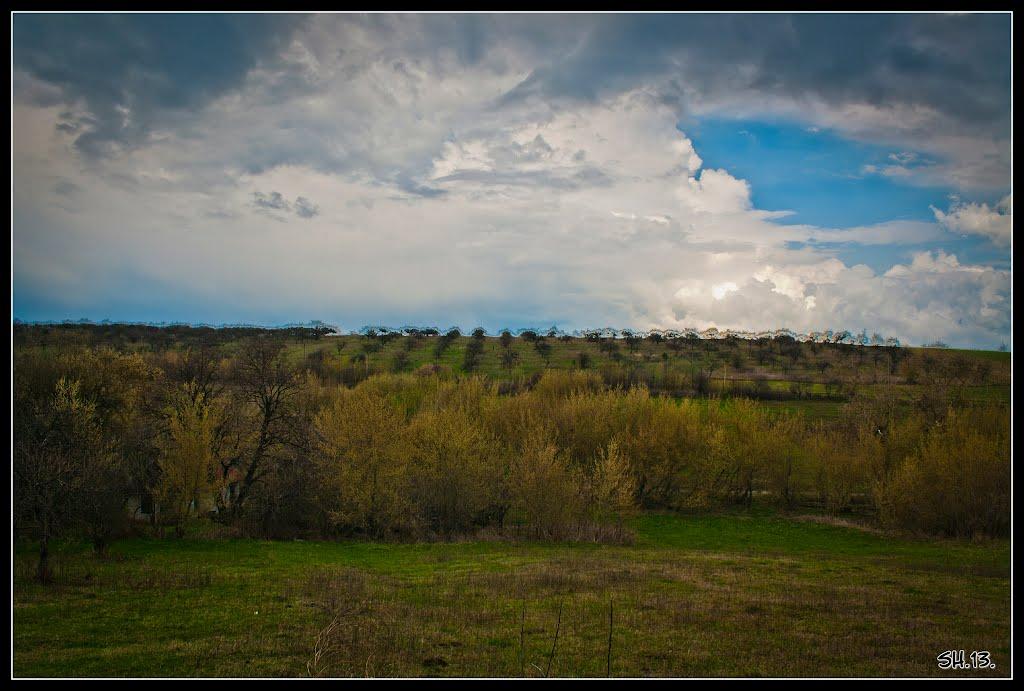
{"x":110,"y":381}
{"x":584,"y":423}
{"x":188,"y":474}
{"x":740,"y":449}
{"x":466,"y":395}
{"x":362,"y":460}
{"x":403,"y":453}
{"x":74,"y":412}
{"x":843,"y":465}
{"x":957,"y":482}
{"x":454,"y":469}
{"x":543,"y":490}
{"x":559,"y":456}
{"x":666,"y":444}
{"x":560,"y":384}
{"x":787,"y":464}
{"x":609,"y":487}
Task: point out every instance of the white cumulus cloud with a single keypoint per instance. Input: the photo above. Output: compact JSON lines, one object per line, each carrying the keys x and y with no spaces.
{"x":993,"y":222}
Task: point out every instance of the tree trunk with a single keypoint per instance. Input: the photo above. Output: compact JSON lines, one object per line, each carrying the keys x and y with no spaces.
{"x":502,"y":510}
{"x":43,"y":574}
{"x":99,"y":545}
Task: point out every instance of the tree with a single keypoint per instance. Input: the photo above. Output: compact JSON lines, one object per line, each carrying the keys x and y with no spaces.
{"x":783,"y":459}
{"x":956,"y":481}
{"x":610,"y":487}
{"x":452,"y":469}
{"x":75,"y":413}
{"x":543,"y":349}
{"x":701,"y":382}
{"x":471,"y":357}
{"x":445,"y":341}
{"x":509,"y":358}
{"x":105,"y":491}
{"x":360,"y":454}
{"x":544,"y":492}
{"x":632,"y":339}
{"x":266,"y":422}
{"x":200,"y":368}
{"x":506,"y":339}
{"x":55,"y":443}
{"x":187,"y":464}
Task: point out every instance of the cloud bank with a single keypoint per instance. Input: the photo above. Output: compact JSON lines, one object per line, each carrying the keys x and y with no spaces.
{"x":502,"y":171}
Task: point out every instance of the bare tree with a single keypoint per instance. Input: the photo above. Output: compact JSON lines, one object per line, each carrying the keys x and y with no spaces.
{"x":268,"y":386}
{"x":199,"y":367}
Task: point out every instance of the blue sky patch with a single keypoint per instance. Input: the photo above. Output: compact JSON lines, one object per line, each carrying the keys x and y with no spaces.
{"x":820,"y":176}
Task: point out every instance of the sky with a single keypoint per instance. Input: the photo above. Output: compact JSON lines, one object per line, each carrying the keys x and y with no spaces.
{"x":736,"y":171}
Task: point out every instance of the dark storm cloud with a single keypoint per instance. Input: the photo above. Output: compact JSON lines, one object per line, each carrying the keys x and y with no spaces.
{"x":132,"y":71}
{"x":123,"y":76}
{"x":129,"y":74}
{"x":958,"y":65}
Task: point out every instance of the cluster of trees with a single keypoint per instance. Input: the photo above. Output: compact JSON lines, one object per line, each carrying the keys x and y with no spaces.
{"x":158,"y":337}
{"x":684,"y":366}
{"x":245,"y":437}
{"x":79,"y":437}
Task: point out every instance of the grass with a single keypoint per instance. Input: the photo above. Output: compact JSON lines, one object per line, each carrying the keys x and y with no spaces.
{"x":749,"y":594}
{"x":993,"y":355}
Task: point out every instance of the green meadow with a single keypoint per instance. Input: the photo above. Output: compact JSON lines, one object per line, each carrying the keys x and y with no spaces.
{"x":741,"y":593}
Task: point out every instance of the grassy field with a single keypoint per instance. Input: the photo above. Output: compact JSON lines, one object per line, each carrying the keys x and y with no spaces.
{"x":748,"y":594}
{"x":861,"y":371}
{"x":565,"y":352}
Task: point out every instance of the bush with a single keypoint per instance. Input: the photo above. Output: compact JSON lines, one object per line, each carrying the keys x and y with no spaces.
{"x":844,"y":466}
{"x":957,"y":483}
{"x":453,"y":471}
{"x":543,"y":492}
{"x":361,"y":461}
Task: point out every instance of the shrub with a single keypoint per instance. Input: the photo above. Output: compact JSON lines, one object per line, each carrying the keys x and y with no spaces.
{"x":361,"y":458}
{"x":957,"y":483}
{"x":453,"y":470}
{"x":844,"y":466}
{"x":609,"y":488}
{"x":543,"y":491}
